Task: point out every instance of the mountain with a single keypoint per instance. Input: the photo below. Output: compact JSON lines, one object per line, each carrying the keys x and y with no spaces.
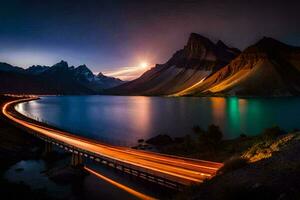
{"x":267,"y":68}
{"x":107,"y":81}
{"x":57,"y":79}
{"x":36,"y":69}
{"x":9,"y":68}
{"x":188,"y":66}
{"x":95,"y":82}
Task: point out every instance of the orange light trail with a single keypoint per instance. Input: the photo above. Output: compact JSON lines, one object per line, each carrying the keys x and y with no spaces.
{"x":119,"y":185}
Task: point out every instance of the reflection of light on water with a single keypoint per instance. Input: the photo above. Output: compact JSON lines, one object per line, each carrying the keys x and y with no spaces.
{"x":229,"y":112}
{"x":243,"y":103}
{"x":140,"y":118}
{"x":234,"y":112}
{"x":20,"y":108}
{"x":126,"y":119}
{"x":237,"y":110}
{"x":218,"y":108}
{"x":256,"y":116}
{"x":131,"y":116}
{"x":29,"y":172}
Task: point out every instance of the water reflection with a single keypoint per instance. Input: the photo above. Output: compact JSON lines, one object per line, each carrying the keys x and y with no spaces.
{"x":228,"y":112}
{"x":139,"y":117}
{"x":30,"y":173}
{"x":233,"y":113}
{"x":126,"y":119}
{"x":257,"y":116}
{"x":218,"y":109}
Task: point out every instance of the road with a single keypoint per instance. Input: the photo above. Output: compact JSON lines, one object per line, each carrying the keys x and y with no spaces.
{"x":179,"y":169}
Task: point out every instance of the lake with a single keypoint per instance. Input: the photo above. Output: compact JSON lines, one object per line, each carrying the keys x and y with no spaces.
{"x":123,"y":120}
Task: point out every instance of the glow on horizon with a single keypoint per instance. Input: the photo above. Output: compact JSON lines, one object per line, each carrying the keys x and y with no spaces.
{"x":27,"y":57}
{"x":129,"y":73}
{"x":144,"y":65}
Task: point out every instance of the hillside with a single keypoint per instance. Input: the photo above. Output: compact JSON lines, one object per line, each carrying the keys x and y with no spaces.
{"x":188,"y":66}
{"x":267,"y":68}
{"x":272,"y":172}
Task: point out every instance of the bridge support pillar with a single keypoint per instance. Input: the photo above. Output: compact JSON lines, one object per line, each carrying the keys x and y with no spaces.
{"x":48,"y":147}
{"x":76,"y":160}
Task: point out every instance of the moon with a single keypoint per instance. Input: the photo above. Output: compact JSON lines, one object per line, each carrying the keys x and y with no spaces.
{"x":144,"y":64}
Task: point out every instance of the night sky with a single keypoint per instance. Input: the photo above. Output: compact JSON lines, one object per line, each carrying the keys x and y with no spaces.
{"x":115,"y":37}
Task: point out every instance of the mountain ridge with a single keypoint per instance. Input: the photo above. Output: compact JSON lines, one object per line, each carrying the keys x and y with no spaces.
{"x":59,"y":78}
{"x":263,"y":69}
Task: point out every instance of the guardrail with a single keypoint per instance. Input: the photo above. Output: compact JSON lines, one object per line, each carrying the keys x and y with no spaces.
{"x":127,"y":168}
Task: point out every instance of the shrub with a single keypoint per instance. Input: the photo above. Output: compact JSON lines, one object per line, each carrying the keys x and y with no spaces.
{"x":214,"y":134}
{"x":160,"y":140}
{"x":197,"y":130}
{"x":233,"y":163}
{"x":209,"y":139}
{"x":271,"y":133}
{"x":141,"y":141}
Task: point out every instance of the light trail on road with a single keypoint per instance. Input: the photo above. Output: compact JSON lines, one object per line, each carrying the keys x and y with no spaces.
{"x":178,"y":169}
{"x":119,"y":185}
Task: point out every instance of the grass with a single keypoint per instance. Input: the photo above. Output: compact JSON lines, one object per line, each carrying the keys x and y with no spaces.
{"x":267,"y":147}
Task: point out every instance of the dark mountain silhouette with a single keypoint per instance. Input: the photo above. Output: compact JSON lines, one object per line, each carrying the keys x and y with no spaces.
{"x":58,"y":79}
{"x":36,"y":69}
{"x":5,"y":67}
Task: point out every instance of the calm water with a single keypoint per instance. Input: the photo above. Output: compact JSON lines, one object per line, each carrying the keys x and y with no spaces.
{"x":33,"y":174}
{"x":30,"y":172}
{"x":123,"y":120}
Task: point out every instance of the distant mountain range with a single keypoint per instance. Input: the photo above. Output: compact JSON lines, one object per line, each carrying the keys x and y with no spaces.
{"x":267,"y":68}
{"x":57,"y":79}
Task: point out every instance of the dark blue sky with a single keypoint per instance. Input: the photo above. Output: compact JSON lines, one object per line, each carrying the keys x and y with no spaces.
{"x":117,"y":35}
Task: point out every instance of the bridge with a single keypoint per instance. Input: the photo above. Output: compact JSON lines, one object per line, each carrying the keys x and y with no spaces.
{"x":166,"y":170}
